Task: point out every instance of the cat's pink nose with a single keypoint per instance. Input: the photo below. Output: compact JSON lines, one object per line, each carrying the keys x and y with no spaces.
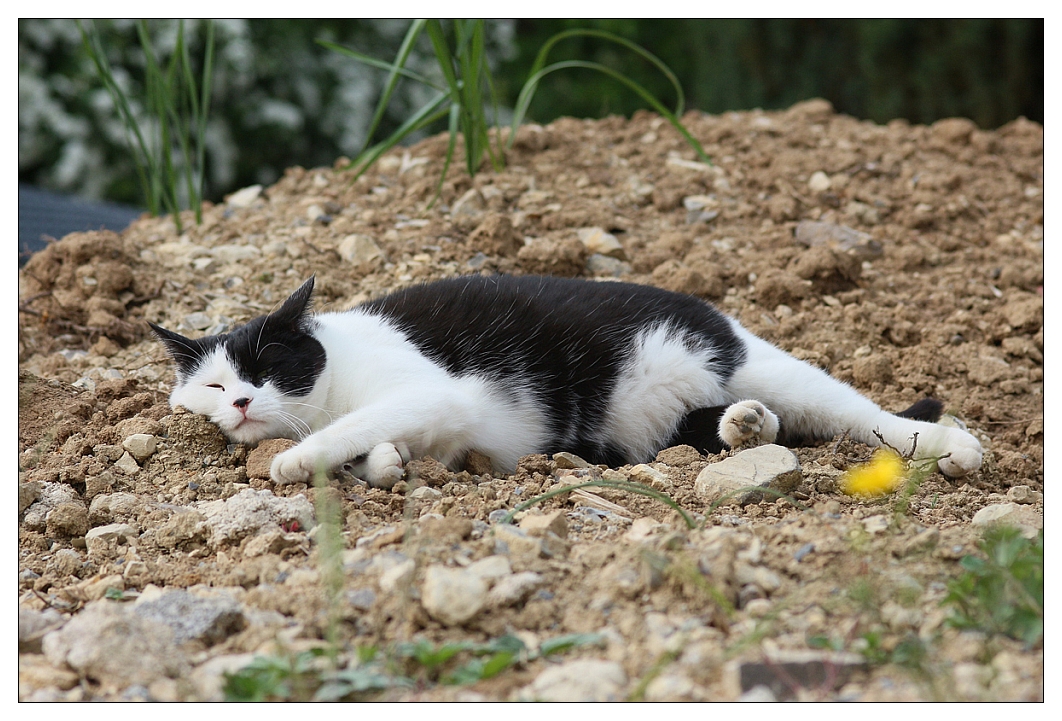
{"x":242,"y":404}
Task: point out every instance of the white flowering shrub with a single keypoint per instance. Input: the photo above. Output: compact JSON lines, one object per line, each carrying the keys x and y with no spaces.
{"x":279,"y":99}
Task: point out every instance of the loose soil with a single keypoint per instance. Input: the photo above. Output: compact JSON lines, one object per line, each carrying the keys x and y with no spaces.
{"x":935,"y":289}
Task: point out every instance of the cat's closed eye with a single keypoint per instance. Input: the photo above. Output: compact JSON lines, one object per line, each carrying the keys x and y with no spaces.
{"x":215,"y":385}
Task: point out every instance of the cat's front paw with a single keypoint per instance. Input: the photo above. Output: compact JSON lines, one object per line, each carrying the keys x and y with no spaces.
{"x":384,"y":466}
{"x":298,"y":464}
{"x":964,"y":455}
{"x":748,"y":421}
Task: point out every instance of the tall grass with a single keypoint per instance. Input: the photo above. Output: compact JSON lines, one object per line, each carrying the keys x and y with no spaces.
{"x":468,"y":90}
{"x":169,"y":144}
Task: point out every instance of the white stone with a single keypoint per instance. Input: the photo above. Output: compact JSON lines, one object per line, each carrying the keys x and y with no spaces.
{"x":1025,"y":518}
{"x":514,"y":589}
{"x":1024,"y":494}
{"x":491,"y":568}
{"x":251,"y":512}
{"x":538,"y":524}
{"x":452,"y":596}
{"x":357,"y":248}
{"x":111,"y":507}
{"x":518,"y":541}
{"x":127,"y":464}
{"x":235,"y":253}
{"x":471,"y":203}
{"x":49,"y":495}
{"x":669,"y":687}
{"x":569,"y":460}
{"x":208,"y":679}
{"x":674,"y":162}
{"x":819,"y":182}
{"x":103,"y":541}
{"x":698,"y":202}
{"x":649,"y":476}
{"x":875,"y":524}
{"x":398,"y":577}
{"x":642,"y":528}
{"x":112,"y":531}
{"x":114,"y":646}
{"x":198,"y":321}
{"x":766,"y":579}
{"x":141,"y":445}
{"x":604,"y":266}
{"x":426,"y":492}
{"x":245,"y":196}
{"x":596,"y":240}
{"x":764,"y":466}
{"x":579,"y":681}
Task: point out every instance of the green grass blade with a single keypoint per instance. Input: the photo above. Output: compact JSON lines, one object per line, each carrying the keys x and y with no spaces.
{"x":204,"y":112}
{"x":394,"y":73}
{"x":184,"y":121}
{"x":459,"y":115}
{"x":454,"y":112}
{"x":380,"y":64}
{"x":528,"y":91}
{"x":474,"y":67}
{"x":442,"y":54}
{"x":157,"y":93}
{"x":427,"y":115}
{"x":540,"y":60}
{"x":143,"y":158}
{"x":198,"y":102}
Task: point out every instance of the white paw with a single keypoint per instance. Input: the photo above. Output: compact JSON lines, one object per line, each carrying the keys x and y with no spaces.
{"x":297,"y":465}
{"x":383,"y":466}
{"x":964,"y":455}
{"x":748,"y":421}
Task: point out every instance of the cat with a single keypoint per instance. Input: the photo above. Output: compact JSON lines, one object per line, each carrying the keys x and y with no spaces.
{"x":509,"y":366}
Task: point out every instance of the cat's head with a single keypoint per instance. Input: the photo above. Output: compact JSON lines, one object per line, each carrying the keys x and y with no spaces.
{"x":251,"y":381}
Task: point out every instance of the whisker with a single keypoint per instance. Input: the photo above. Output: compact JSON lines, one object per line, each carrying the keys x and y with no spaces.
{"x":258,"y":343}
{"x":310,"y":405}
{"x":300,"y":432}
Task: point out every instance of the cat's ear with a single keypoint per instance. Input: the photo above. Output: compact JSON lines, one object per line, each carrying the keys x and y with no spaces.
{"x":292,"y":311}
{"x":185,"y":352}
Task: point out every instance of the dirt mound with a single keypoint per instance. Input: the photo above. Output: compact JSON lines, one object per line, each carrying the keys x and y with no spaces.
{"x":905,"y":260}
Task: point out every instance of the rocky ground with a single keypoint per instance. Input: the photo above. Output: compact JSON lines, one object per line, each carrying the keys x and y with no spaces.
{"x":154,"y":557}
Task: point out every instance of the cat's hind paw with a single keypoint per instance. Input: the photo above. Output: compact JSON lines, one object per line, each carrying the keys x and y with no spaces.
{"x":747,"y":422}
{"x":384,"y":466}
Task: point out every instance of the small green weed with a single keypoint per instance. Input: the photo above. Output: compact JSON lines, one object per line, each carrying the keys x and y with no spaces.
{"x":469,"y":89}
{"x":1002,"y":592}
{"x":115,"y":594}
{"x":286,"y":677}
{"x":175,"y":127}
{"x":910,"y":652}
{"x":312,"y":675}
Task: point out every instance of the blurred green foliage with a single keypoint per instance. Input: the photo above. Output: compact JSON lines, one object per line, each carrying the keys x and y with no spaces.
{"x":990,"y":71}
{"x":280,"y":99}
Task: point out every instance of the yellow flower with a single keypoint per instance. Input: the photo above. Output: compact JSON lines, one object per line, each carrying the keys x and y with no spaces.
{"x":884,"y":474}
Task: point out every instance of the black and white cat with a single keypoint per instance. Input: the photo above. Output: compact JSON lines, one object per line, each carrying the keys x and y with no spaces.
{"x":508,"y":366}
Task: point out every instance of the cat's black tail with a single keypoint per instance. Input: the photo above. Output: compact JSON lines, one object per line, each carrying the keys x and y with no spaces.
{"x":927,"y":409}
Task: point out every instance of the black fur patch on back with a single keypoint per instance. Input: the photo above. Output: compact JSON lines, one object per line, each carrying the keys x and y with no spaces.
{"x":566,"y":339}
